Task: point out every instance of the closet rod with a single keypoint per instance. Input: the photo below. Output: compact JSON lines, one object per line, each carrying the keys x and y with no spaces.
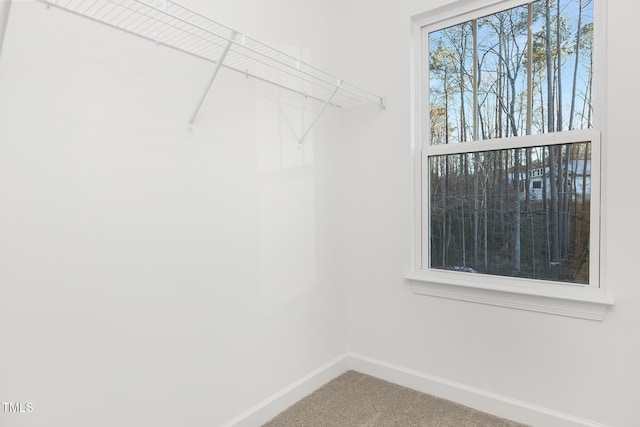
{"x":169,"y":24}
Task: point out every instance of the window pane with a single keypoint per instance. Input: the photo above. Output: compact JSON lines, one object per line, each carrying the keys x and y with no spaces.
{"x":560,"y":73}
{"x":564,"y":26}
{"x":521,"y":212}
{"x":502,"y":74}
{"x":451,"y":84}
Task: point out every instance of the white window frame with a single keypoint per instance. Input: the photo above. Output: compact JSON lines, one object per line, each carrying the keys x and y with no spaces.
{"x":582,"y":301}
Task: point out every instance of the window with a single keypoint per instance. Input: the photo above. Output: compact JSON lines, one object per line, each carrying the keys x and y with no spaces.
{"x":510,"y":127}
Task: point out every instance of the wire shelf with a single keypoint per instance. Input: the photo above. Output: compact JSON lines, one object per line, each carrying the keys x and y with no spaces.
{"x":170,"y":24}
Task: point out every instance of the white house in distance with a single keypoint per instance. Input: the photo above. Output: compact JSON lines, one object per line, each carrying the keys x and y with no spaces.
{"x":579,"y":180}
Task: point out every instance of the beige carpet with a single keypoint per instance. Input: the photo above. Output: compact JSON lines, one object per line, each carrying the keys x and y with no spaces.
{"x":355,"y":399}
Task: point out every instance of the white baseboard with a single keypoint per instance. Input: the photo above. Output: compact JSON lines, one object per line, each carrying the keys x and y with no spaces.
{"x":481,"y":400}
{"x":272,"y":406}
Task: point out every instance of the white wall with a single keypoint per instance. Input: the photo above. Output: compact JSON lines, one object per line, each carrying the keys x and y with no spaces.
{"x":584,"y":368}
{"x":150,"y":276}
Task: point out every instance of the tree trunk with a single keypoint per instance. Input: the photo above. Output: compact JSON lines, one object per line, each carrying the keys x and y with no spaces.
{"x":516,"y":238}
{"x":559,"y":71}
{"x":575,"y":67}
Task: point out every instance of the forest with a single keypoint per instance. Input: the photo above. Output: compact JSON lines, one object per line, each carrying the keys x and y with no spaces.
{"x":522,"y":211}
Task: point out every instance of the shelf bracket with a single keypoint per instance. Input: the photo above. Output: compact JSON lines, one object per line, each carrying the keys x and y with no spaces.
{"x":223,"y":55}
{"x":324,"y":106}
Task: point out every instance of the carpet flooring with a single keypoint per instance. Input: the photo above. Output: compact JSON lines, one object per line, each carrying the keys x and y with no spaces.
{"x":357,"y":400}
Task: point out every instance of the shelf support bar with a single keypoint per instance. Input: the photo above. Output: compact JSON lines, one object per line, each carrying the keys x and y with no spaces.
{"x":324,"y":106}
{"x":213,"y":77}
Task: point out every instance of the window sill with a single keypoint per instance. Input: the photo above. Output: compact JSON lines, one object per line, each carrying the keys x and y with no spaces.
{"x":564,"y":300}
